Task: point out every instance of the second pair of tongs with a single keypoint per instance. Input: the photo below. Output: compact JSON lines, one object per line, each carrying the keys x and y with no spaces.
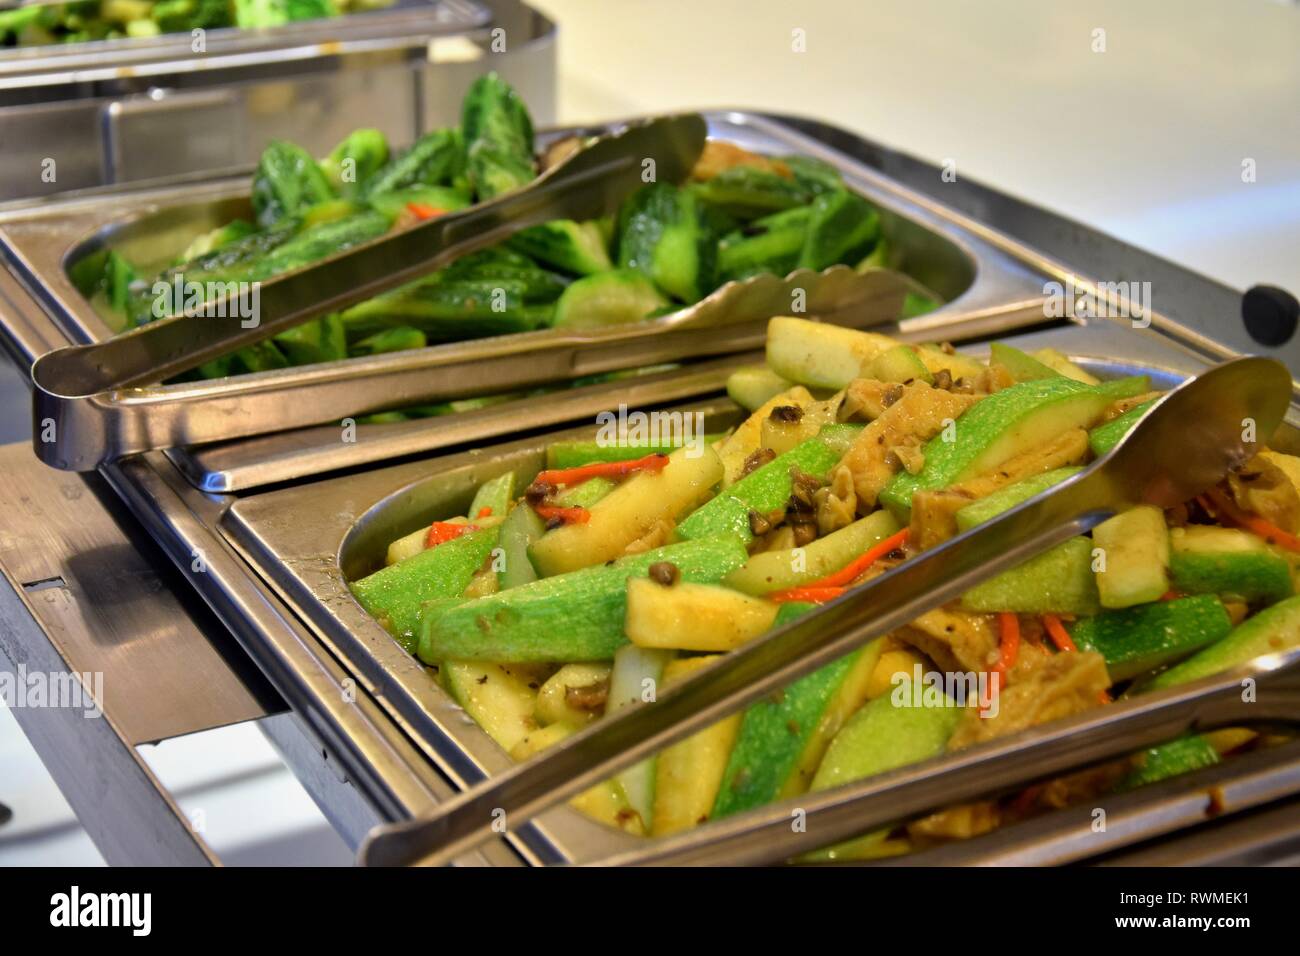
{"x":81,"y":390}
{"x":95,"y":403}
{"x":1188,"y":443}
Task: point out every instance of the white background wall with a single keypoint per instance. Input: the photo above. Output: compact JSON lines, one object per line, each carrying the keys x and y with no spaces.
{"x":1145,"y":141}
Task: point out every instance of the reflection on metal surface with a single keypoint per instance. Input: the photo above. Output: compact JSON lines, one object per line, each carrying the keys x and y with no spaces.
{"x":251,"y":463}
{"x":56,"y":64}
{"x":999,"y":766}
{"x":1269,"y":836}
{"x":354,"y":519}
{"x":104,"y":598}
{"x":344,"y":724}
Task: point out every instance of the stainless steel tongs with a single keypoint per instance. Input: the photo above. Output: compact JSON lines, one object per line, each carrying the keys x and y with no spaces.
{"x":81,"y":387}
{"x":102,"y":404}
{"x":1155,"y":464}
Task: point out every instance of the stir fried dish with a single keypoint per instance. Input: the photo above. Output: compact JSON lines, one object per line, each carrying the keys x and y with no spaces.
{"x":668,"y":246}
{"x":623,"y":565}
{"x":116,"y":19}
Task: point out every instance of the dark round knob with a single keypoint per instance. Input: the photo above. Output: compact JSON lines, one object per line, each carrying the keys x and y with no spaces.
{"x":1270,"y":314}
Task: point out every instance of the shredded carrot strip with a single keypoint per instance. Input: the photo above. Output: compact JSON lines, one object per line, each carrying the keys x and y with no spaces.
{"x":845,"y":575}
{"x":441,"y":531}
{"x":816,"y":595}
{"x":567,"y":515}
{"x":1104,"y":697}
{"x":422,"y":211}
{"x":1008,"y":641}
{"x":1252,"y":522}
{"x":602,"y":469}
{"x":833,"y":585}
{"x":1059,"y":635}
{"x":1008,"y":648}
{"x":1170,"y":596}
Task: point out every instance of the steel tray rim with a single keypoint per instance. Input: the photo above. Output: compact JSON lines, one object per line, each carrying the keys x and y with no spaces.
{"x":409,"y":23}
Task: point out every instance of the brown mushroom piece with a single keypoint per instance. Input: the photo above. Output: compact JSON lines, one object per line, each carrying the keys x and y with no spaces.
{"x":1263,"y":488}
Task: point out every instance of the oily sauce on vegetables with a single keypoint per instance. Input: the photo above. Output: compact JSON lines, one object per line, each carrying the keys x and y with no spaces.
{"x":686,"y":553}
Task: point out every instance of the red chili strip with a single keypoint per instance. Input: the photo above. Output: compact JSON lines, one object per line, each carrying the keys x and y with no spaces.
{"x":566,"y":515}
{"x":422,"y":211}
{"x":821,"y":589}
{"x":602,"y":469}
{"x":441,"y":531}
{"x":814,"y":595}
{"x":1057,"y":632}
{"x":1008,"y":641}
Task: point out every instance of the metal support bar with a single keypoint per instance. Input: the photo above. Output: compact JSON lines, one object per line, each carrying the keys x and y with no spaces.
{"x":129,"y":816}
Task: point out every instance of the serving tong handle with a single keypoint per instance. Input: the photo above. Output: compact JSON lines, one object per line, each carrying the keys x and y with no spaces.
{"x":1153,"y":464}
{"x":102,"y":407}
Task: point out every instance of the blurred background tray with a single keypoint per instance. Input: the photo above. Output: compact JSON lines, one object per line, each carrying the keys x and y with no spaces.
{"x":120,"y":111}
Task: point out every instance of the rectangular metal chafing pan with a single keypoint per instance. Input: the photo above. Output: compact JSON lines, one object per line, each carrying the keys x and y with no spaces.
{"x":309,"y":540}
{"x":128,"y":58}
{"x":157,"y":108}
{"x":987,"y":289}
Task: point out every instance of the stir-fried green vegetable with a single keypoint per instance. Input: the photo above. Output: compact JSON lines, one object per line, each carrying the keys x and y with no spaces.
{"x":622,"y":568}
{"x":668,"y":246}
{"x":356,"y":160}
{"x":498,"y":134}
{"x":663,"y":235}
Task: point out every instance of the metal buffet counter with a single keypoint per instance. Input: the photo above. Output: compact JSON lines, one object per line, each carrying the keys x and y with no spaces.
{"x":207,"y":583}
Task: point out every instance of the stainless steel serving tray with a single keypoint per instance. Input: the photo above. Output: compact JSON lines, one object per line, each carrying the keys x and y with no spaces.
{"x":129,"y":58}
{"x":77,"y":116}
{"x":985,"y":287}
{"x":240,"y":536}
{"x":308,"y":541}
